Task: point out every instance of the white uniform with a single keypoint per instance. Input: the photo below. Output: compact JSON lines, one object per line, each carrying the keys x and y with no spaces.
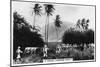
{"x":45,"y":49}
{"x":18,"y":53}
{"x":58,"y":49}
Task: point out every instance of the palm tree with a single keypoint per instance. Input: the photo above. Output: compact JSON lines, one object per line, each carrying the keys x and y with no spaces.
{"x":78,"y":23}
{"x":83,"y":23}
{"x":57,"y":24}
{"x":48,"y":10}
{"x":37,"y":11}
{"x":87,"y":24}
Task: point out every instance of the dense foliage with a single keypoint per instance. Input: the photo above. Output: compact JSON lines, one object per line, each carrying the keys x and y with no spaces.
{"x":77,"y":37}
{"x":23,"y":36}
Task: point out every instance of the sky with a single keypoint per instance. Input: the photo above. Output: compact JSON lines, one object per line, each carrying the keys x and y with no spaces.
{"x":68,"y":13}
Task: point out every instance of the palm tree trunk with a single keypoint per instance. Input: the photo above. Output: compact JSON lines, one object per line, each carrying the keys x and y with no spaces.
{"x":47,"y":28}
{"x":45,"y":32}
{"x":57,"y":34}
{"x":34,"y":21}
{"x":46,"y":24}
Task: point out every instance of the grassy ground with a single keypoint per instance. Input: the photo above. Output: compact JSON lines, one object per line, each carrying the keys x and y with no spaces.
{"x":29,"y":59}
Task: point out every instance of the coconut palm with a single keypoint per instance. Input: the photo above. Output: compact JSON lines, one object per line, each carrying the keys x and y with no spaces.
{"x":57,"y":24}
{"x":48,"y":10}
{"x":36,"y":11}
{"x":78,"y":23}
{"x":83,"y":23}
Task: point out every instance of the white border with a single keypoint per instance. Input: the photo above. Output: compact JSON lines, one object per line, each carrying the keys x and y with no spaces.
{"x":58,"y":62}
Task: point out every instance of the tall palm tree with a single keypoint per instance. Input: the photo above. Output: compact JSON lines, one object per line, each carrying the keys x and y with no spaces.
{"x":36,"y":11}
{"x":49,"y":9}
{"x":57,"y":24}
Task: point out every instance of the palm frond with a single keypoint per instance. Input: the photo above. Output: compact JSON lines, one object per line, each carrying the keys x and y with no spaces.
{"x":58,"y":22}
{"x":49,"y":9}
{"x":37,"y":9}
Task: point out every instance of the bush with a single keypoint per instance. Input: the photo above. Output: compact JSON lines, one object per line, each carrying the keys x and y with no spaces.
{"x":79,"y":38}
{"x":76,"y":54}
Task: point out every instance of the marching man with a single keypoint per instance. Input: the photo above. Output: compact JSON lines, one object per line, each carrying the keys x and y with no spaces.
{"x":45,"y":49}
{"x":58,"y":49}
{"x":18,"y":51}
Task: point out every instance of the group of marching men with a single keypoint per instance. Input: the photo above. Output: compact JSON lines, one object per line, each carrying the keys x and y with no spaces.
{"x":45,"y":50}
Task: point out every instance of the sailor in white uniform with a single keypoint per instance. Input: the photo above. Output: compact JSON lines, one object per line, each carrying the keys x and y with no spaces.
{"x":45,"y":50}
{"x":18,"y":51}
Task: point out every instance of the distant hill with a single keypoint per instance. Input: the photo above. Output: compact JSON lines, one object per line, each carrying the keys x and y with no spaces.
{"x":52,"y":31}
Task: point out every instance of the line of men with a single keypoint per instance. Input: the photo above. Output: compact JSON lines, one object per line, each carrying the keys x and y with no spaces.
{"x":44,"y":49}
